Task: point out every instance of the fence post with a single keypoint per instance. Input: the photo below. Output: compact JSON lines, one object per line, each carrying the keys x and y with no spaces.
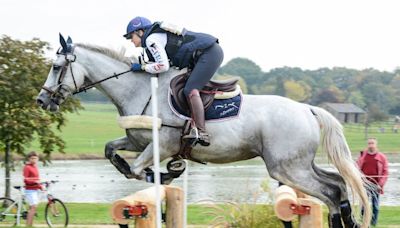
{"x":174,"y":207}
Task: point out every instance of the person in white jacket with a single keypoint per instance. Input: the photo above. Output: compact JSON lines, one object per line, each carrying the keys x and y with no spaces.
{"x":168,"y":46}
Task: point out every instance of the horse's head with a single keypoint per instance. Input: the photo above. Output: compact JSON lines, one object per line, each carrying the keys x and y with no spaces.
{"x":65,"y":77}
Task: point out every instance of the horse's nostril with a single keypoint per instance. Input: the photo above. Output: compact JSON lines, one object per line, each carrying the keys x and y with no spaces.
{"x":39,"y":101}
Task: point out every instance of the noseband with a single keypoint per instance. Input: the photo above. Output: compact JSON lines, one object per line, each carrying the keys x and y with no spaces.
{"x":70,"y":57}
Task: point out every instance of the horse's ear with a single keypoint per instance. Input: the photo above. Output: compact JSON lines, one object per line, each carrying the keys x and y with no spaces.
{"x":69,"y":40}
{"x":63,"y":43}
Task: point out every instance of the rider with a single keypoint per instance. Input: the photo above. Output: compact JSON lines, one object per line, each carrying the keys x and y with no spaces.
{"x":167,"y":46}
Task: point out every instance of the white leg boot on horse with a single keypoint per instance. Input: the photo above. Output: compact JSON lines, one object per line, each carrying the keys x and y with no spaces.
{"x":198,"y":131}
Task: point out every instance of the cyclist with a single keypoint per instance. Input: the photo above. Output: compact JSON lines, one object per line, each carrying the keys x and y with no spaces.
{"x":32,"y":185}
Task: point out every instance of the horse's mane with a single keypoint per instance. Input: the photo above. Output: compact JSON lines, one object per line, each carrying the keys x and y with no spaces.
{"x":108,"y":52}
{"x":117,"y":55}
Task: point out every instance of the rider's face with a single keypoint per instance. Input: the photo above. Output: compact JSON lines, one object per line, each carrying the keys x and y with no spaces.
{"x":136,"y":40}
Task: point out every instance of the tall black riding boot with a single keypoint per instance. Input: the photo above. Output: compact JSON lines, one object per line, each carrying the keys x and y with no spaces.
{"x":198,"y":131}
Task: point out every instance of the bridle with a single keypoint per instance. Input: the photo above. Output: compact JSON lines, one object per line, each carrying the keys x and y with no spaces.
{"x":70,"y":57}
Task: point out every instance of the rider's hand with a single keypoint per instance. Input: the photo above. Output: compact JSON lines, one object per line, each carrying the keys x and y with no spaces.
{"x":137,"y":67}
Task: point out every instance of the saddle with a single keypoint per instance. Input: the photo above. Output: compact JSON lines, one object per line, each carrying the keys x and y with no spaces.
{"x":207,"y":93}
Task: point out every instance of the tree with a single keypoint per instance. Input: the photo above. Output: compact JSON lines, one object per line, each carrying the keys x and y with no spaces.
{"x":375,"y":113}
{"x":280,"y":86}
{"x":23,"y":69}
{"x":244,"y":68}
{"x":266,"y":88}
{"x":356,"y":98}
{"x":331,"y":94}
{"x":379,"y":94}
{"x":298,"y":91}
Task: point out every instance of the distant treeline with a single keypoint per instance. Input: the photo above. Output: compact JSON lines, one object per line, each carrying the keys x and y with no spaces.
{"x":377,"y":92}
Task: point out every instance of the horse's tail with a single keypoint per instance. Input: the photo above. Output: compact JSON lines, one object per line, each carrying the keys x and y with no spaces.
{"x":335,"y":145}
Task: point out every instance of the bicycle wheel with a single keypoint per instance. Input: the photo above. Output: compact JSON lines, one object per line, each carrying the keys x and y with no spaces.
{"x":56,"y":214}
{"x":8,"y":211}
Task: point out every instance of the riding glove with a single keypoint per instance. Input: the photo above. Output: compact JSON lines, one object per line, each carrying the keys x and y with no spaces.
{"x":137,"y":67}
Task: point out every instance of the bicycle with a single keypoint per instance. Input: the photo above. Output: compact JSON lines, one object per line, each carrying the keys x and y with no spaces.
{"x":15,"y":211}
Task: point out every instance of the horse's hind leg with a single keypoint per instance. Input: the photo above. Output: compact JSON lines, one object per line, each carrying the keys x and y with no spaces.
{"x":298,"y":173}
{"x":345,"y":207}
{"x":332,"y":177}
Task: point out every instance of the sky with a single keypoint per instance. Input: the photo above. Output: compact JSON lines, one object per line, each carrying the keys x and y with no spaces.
{"x":309,"y":34}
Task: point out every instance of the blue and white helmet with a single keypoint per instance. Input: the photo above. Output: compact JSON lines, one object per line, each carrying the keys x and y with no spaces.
{"x":136,"y":24}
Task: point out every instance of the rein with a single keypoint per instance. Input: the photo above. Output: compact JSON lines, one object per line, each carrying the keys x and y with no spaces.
{"x":83,"y":89}
{"x":70,"y":60}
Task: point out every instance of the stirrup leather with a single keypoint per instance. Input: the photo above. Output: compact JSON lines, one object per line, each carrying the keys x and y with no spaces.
{"x":198,"y":137}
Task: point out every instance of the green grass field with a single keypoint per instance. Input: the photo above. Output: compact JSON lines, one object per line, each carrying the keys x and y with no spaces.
{"x":90,"y":213}
{"x":387,"y":140}
{"x":88,"y":132}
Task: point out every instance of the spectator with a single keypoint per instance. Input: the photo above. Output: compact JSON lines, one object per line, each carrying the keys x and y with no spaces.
{"x":375,"y":167}
{"x":32,"y":185}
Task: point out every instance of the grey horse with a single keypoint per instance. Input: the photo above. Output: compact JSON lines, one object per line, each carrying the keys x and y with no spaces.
{"x":284,"y":133}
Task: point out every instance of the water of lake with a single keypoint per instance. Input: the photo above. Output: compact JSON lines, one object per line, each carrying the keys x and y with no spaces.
{"x":99,"y":181}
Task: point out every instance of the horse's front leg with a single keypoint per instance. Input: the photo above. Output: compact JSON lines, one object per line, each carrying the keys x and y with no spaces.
{"x":142,"y":162}
{"x":141,"y":166}
{"x":119,"y":163}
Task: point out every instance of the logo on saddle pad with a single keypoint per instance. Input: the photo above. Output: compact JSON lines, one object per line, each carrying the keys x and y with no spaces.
{"x":227,"y":106}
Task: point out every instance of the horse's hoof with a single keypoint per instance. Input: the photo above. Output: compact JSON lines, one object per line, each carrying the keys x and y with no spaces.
{"x":176,"y":167}
{"x":133,"y":176}
{"x":129,"y":176}
{"x":335,"y":221}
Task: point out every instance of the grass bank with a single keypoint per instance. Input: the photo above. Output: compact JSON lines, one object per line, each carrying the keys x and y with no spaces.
{"x":90,"y":213}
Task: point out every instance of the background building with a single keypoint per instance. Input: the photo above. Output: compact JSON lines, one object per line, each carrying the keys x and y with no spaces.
{"x":345,"y":112}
